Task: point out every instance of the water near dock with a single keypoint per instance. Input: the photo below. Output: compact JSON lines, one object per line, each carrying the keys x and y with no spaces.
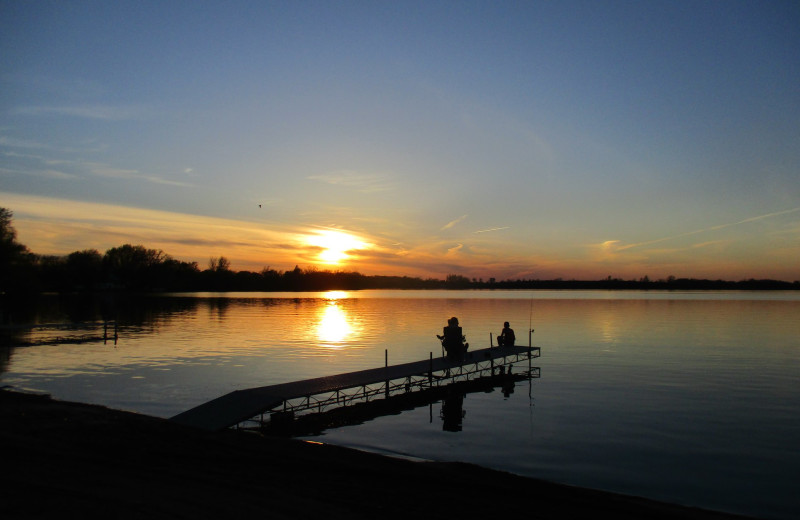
{"x":687,"y":397}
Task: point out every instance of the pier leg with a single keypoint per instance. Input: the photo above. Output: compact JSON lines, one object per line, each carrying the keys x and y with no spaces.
{"x":430,"y":372}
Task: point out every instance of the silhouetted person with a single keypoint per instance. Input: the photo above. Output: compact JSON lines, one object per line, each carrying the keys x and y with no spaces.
{"x":506,"y":338}
{"x":453,"y":340}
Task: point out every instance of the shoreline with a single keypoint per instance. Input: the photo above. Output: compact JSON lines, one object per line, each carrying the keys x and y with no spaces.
{"x":71,"y":457}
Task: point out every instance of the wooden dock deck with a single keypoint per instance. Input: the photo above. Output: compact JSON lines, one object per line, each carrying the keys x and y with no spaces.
{"x":242,"y":405}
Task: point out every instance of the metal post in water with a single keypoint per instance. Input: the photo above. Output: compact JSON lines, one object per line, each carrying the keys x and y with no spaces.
{"x":430,"y":373}
{"x":530,"y":349}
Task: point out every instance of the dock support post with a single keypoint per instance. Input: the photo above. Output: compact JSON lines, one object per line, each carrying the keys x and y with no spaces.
{"x":430,"y":372}
{"x":530,"y":349}
{"x":386,"y":365}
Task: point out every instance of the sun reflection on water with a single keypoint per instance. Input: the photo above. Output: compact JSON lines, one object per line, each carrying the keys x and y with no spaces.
{"x":335,"y":295}
{"x":333,"y":327}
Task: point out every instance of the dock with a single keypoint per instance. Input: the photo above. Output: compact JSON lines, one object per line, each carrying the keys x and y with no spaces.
{"x":322,"y":393}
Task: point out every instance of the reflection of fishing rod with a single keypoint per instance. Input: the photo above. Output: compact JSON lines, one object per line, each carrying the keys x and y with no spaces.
{"x":530,"y":352}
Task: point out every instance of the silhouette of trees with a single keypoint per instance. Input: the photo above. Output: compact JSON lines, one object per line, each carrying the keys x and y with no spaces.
{"x":16,"y":262}
{"x":219,"y":264}
{"x":83,"y":269}
{"x":133,"y":267}
{"x":456,"y":281}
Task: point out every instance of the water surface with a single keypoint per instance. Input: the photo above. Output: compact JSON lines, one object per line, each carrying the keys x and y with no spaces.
{"x":689,"y":397}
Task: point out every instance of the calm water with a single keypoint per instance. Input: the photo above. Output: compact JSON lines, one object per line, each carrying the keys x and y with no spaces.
{"x":692,"y":398}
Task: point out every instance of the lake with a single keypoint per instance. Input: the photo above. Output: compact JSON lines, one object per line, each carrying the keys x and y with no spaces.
{"x":685,"y":397}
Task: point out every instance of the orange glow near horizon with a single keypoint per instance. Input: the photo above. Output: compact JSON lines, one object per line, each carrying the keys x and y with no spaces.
{"x":335,"y":245}
{"x":53,"y":226}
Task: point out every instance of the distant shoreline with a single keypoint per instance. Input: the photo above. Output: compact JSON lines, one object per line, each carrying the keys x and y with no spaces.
{"x":328,"y":281}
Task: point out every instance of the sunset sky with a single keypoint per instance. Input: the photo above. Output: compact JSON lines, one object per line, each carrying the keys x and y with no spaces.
{"x":488,"y":139}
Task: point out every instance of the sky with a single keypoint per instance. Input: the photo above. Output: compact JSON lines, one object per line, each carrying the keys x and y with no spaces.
{"x":534,"y":140}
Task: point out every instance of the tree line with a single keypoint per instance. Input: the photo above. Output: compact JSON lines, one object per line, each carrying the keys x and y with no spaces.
{"x":135,"y":268}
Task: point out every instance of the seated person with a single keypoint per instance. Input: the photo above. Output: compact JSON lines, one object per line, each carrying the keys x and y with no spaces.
{"x":506,"y":338}
{"x":453,"y":339}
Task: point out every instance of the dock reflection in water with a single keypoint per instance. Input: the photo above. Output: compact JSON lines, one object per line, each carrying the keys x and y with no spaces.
{"x":450,"y":397}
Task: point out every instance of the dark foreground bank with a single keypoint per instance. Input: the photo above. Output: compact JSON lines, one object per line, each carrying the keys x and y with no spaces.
{"x":61,"y":457}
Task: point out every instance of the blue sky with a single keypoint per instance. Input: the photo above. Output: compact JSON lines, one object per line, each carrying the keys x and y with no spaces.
{"x":489,"y":139}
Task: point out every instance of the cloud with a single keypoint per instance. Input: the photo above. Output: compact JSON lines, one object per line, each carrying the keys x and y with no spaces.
{"x":35,"y":145}
{"x":23,"y":143}
{"x":103,"y":170}
{"x":452,"y":223}
{"x":712,"y":228}
{"x":102,"y":112}
{"x":48,"y":173}
{"x":365,"y":183}
{"x":115,"y":173}
{"x":491,"y":229}
{"x":455,"y":249}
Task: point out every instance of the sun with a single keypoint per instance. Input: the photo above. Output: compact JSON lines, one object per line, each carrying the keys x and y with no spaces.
{"x":335,"y":245}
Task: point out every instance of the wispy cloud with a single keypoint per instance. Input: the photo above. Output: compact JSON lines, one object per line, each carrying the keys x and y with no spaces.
{"x":455,"y":249}
{"x":115,"y":173}
{"x":452,"y":223}
{"x":492,"y":229}
{"x":12,"y":142}
{"x":103,"y":170}
{"x":48,"y":173}
{"x":102,"y":112}
{"x":705,"y":230}
{"x":23,"y":143}
{"x":363,"y":182}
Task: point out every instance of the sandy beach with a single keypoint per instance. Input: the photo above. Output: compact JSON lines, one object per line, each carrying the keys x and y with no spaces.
{"x":63,"y":457}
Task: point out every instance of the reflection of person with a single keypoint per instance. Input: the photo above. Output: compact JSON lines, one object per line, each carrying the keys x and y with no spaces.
{"x":506,"y":338}
{"x":453,"y":412}
{"x":453,"y":341}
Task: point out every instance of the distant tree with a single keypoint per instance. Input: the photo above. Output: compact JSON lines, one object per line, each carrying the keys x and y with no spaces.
{"x":456,"y":281}
{"x":133,"y":267}
{"x":16,"y":262}
{"x":84,"y":269}
{"x":219,"y":264}
{"x":175,"y":275}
